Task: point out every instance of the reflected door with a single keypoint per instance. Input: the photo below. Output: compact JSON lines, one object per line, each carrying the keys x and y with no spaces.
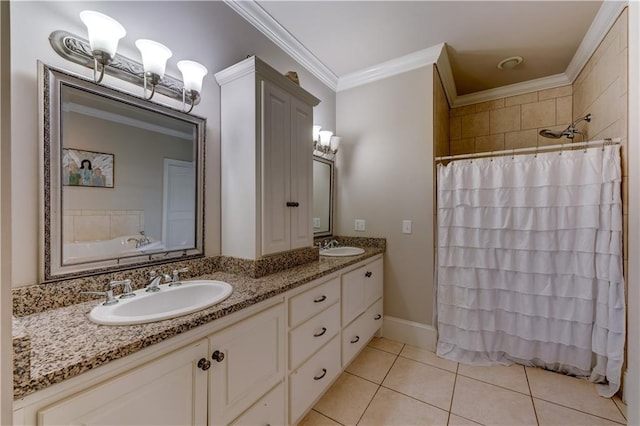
{"x":178,"y":216}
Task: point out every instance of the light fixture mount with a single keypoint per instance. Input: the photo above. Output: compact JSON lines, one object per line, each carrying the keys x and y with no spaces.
{"x":78,"y":50}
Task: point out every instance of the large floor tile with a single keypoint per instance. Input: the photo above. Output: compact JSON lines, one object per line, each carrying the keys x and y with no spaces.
{"x":460,"y":421}
{"x":428,"y":357}
{"x":571,"y":392}
{"x":491,"y":405}
{"x":551,"y":415}
{"x":386,"y":345}
{"x":621,"y":405}
{"x":512,"y":377}
{"x":346,"y":399}
{"x":313,"y":418}
{"x":391,"y":408}
{"x":372,"y":364}
{"x":429,"y":384}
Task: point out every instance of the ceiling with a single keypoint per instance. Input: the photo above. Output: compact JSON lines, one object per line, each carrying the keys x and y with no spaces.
{"x":350,"y":36}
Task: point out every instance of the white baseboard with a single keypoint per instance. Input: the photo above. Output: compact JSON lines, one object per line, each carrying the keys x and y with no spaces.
{"x":411,"y":333}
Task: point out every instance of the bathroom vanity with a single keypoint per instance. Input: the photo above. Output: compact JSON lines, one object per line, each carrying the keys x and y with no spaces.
{"x":263,"y":356}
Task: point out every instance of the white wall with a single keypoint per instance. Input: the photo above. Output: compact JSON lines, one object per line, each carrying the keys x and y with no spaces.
{"x":208,"y":32}
{"x":384,"y":174}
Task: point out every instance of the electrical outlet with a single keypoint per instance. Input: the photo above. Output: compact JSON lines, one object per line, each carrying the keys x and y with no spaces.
{"x":316,"y":222}
{"x":406,"y":226}
{"x":360,"y":225}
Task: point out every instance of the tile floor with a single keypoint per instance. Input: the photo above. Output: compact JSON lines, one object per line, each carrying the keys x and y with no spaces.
{"x":390,"y":383}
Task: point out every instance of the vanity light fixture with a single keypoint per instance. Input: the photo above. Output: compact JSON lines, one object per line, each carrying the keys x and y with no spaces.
{"x":325,"y":144}
{"x":154,"y":62}
{"x":99,"y":54}
{"x":192,"y":74}
{"x":104,"y":35}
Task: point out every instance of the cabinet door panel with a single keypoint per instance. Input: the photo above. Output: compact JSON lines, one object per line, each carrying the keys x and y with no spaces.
{"x":353,"y":295}
{"x":169,"y":391}
{"x":301,"y":174}
{"x":253,"y":363}
{"x":268,"y":411}
{"x":276,"y":173}
{"x":374,"y":282}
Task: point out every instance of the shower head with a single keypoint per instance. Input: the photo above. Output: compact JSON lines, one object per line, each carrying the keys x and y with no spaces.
{"x":569,"y":132}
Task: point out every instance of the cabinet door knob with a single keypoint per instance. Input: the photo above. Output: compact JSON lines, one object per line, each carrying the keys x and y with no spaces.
{"x":218,"y":356}
{"x":356,"y":339}
{"x":324,"y":330}
{"x":320,"y":299}
{"x":377,"y":317}
{"x":324,"y":373}
{"x":368,"y":274}
{"x":204,"y":364}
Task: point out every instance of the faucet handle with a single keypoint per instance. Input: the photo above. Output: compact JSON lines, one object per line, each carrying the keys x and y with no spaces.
{"x":153,"y":274}
{"x":109,"y":295}
{"x":176,"y":281}
{"x":127,"y":291}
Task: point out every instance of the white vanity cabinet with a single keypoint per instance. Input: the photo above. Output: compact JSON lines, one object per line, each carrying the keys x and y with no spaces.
{"x":266,"y":168}
{"x":169,"y":390}
{"x":247,"y":361}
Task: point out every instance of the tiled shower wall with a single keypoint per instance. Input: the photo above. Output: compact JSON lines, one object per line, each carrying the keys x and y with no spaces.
{"x":100,"y":225}
{"x":511,"y":122}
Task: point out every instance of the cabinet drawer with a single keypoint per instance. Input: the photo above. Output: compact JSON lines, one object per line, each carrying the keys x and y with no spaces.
{"x":267,"y":411}
{"x":312,"y":378}
{"x":307,"y":304}
{"x":312,"y":334}
{"x":359,"y":332}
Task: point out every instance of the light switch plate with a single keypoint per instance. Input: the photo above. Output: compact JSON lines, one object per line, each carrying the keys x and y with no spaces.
{"x":360,"y":225}
{"x":316,"y":222}
{"x":406,"y":226}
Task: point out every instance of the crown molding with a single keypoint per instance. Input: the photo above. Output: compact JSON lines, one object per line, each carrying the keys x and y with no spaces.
{"x":259,"y":18}
{"x":512,"y":90}
{"x":390,"y":68}
{"x":446,"y":76}
{"x":602,"y":23}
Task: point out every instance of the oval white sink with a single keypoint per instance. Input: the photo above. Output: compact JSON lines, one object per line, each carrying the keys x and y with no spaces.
{"x":342,"y":251}
{"x":169,"y":302}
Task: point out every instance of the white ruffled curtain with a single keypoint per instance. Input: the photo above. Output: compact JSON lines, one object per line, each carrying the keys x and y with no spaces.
{"x":530,"y":263}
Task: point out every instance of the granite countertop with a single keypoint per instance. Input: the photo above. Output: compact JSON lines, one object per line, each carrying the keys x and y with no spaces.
{"x":64,"y":342}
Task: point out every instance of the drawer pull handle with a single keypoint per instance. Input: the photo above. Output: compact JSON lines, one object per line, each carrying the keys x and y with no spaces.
{"x":377,"y":317}
{"x":368,"y":274}
{"x":324,"y":373}
{"x":324,"y":330}
{"x":218,"y":356}
{"x":320,"y":299}
{"x":292,"y":204}
{"x":356,"y":340}
{"x":204,"y":364}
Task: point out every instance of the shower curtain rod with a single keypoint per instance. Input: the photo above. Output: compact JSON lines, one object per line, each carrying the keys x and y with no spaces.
{"x":532,"y":149}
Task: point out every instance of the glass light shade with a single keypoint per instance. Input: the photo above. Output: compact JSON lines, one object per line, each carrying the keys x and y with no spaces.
{"x":192,"y":75}
{"x":154,"y":56}
{"x":104,"y":32}
{"x":335,"y":142}
{"x":325,"y":137}
{"x":316,"y":133}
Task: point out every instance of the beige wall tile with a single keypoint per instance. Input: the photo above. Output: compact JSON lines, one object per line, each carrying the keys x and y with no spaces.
{"x":521,"y":99}
{"x":94,"y":212}
{"x":122,"y":225}
{"x":538,"y":114}
{"x":504,"y":120}
{"x":556,"y":92}
{"x":455,"y":126}
{"x":68,"y":235}
{"x":606,"y":110}
{"x":462,"y":146}
{"x":456,"y":112}
{"x":521,"y":139}
{"x":91,"y":228}
{"x":475,"y":125}
{"x":564,"y":110}
{"x":490,"y":105}
{"x":490,"y":143}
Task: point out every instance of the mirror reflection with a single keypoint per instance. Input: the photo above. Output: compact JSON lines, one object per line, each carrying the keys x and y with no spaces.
{"x":122,"y":179}
{"x":322,"y":197}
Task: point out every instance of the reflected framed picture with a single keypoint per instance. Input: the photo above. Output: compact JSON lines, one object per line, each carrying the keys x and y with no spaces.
{"x":87,"y":168}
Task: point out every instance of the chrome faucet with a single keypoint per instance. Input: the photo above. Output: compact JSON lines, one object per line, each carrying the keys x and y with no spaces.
{"x":330,"y":244}
{"x":142,"y":241}
{"x":154,"y":285}
{"x":176,"y":279}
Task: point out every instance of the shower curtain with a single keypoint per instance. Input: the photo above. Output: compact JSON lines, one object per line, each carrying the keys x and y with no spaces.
{"x":530,"y":263}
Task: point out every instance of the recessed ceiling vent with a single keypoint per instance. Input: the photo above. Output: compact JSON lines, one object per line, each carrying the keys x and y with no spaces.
{"x":510,"y":63}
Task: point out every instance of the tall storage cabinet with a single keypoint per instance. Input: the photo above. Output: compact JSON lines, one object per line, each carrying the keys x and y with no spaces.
{"x":266,"y":161}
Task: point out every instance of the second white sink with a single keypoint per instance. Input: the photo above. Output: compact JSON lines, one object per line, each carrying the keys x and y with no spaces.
{"x":342,"y":251}
{"x":169,"y":302}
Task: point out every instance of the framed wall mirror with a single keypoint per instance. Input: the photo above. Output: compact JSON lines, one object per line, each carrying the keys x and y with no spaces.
{"x":122,"y":179}
{"x":323,"y":188}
